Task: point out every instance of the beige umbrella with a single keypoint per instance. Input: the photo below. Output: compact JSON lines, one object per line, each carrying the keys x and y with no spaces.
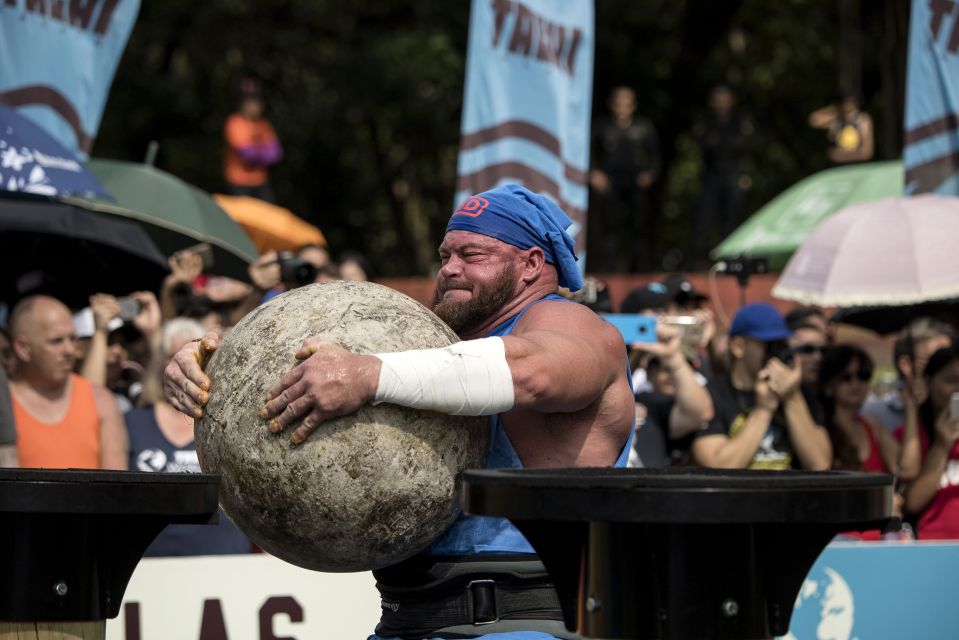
{"x":895,"y":251}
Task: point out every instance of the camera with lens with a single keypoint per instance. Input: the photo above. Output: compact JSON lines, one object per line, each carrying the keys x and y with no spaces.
{"x":295,"y":272}
{"x":742,"y":267}
{"x":781,"y":350}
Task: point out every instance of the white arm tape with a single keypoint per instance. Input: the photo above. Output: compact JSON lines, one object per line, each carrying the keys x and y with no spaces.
{"x":469,"y":378}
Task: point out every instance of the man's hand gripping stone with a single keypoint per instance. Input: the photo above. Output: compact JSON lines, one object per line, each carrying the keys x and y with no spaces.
{"x":185,"y":385}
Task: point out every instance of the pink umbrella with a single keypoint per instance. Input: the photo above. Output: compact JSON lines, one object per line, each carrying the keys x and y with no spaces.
{"x":895,"y":251}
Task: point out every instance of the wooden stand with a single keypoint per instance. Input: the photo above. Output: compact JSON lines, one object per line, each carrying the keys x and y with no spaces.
{"x":70,"y":540}
{"x":679,"y":553}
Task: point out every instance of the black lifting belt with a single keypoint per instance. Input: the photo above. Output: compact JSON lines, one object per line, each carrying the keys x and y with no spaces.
{"x":422,"y":597}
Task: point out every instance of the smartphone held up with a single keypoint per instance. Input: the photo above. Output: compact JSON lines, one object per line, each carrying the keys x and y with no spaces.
{"x":641,"y":327}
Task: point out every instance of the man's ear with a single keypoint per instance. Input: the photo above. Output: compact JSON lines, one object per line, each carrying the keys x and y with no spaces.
{"x":20,"y":347}
{"x":737,"y":346}
{"x":533,"y":261}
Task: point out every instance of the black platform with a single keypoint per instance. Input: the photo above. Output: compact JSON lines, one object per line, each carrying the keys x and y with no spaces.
{"x":679,"y":553}
{"x":70,"y":539}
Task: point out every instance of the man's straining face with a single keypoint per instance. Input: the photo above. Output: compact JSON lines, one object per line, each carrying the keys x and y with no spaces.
{"x":476,"y":279}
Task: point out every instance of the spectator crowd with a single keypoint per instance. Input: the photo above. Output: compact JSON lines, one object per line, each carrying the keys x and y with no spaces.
{"x":770,"y":391}
{"x":83,"y":389}
{"x":781,"y":392}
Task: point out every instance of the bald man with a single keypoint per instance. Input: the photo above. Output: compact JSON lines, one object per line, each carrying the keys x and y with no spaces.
{"x":63,"y":421}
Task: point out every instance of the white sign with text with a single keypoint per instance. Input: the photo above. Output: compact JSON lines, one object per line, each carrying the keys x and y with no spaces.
{"x":252,"y":597}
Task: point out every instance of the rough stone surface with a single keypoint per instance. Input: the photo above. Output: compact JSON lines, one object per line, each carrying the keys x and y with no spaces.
{"x":366,"y":490}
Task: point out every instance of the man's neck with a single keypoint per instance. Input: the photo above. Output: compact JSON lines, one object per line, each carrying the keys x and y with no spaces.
{"x":740,"y":378}
{"x":41,"y":386}
{"x":514,"y":306}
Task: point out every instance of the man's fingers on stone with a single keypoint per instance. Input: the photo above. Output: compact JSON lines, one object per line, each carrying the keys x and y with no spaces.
{"x":308,"y":348}
{"x":195,"y":393}
{"x":289,"y":415}
{"x":287,"y":380}
{"x":278,"y":404}
{"x":307,"y":427}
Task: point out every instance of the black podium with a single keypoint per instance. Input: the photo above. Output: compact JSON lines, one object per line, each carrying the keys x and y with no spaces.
{"x":70,"y":539}
{"x":679,"y":553}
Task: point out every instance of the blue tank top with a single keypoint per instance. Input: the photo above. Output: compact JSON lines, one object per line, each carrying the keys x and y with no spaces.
{"x":150,"y":451}
{"x":471,"y":535}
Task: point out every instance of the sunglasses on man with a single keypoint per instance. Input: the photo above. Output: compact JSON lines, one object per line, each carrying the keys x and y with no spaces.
{"x":808,"y":349}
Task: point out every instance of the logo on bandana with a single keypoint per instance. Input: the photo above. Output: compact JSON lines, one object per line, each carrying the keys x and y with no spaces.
{"x":472,"y":207}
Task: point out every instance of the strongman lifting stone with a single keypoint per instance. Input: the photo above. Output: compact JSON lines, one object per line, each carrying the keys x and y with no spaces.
{"x":365,"y":490}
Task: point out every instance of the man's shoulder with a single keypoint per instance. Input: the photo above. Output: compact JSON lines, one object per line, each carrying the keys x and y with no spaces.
{"x":568,"y":318}
{"x":725,"y":396}
{"x":559,"y":313}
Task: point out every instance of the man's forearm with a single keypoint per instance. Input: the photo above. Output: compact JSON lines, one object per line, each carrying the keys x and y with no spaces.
{"x":737,"y":452}
{"x":94,"y":366}
{"x":693,"y":406}
{"x":809,"y":440}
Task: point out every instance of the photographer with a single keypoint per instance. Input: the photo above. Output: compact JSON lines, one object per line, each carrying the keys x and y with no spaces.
{"x":275,"y":272}
{"x":762,"y":418}
{"x":116,"y":324}
{"x":676,"y":407}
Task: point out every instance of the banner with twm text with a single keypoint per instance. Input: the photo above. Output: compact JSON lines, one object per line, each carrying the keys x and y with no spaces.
{"x":58,"y":61}
{"x":526,"y":107}
{"x":931,"y":136}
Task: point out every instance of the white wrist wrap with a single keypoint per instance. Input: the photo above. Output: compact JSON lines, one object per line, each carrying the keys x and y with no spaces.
{"x":469,"y":378}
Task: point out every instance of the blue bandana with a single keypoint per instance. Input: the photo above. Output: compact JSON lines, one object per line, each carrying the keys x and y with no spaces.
{"x":517,"y":216}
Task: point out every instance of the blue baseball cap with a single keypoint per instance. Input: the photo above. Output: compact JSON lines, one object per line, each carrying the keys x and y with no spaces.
{"x":760,"y":321}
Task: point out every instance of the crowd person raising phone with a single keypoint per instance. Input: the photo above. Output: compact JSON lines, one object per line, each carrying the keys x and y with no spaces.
{"x":934,"y":494}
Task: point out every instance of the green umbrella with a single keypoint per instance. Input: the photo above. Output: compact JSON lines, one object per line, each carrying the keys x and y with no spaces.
{"x":777,"y":230}
{"x":175,"y":214}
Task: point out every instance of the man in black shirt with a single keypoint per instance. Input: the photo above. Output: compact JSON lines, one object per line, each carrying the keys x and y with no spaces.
{"x":722,"y":136}
{"x":762,"y":420}
{"x":625,"y":164}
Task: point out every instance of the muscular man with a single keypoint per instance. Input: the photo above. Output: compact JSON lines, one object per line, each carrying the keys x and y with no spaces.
{"x":551,"y":374}
{"x":63,"y":421}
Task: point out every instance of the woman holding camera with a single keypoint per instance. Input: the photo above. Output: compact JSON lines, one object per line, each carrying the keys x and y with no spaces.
{"x":934,"y":494}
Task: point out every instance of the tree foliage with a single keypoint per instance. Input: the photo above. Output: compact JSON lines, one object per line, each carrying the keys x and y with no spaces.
{"x":366,"y":99}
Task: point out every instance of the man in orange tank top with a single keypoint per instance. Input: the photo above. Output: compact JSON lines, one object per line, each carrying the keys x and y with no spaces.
{"x":63,"y":421}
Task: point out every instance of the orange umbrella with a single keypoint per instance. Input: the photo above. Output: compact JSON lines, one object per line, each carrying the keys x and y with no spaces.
{"x":271,"y":228}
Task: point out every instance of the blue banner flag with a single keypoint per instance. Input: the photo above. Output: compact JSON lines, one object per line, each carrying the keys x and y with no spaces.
{"x":931,"y":137}
{"x":58,"y":60}
{"x":526,"y":108}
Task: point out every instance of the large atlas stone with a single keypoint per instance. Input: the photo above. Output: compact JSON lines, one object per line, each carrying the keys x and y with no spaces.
{"x":366,"y":490}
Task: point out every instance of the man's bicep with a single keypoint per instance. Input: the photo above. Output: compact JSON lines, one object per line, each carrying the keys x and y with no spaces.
{"x":554,"y":371}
